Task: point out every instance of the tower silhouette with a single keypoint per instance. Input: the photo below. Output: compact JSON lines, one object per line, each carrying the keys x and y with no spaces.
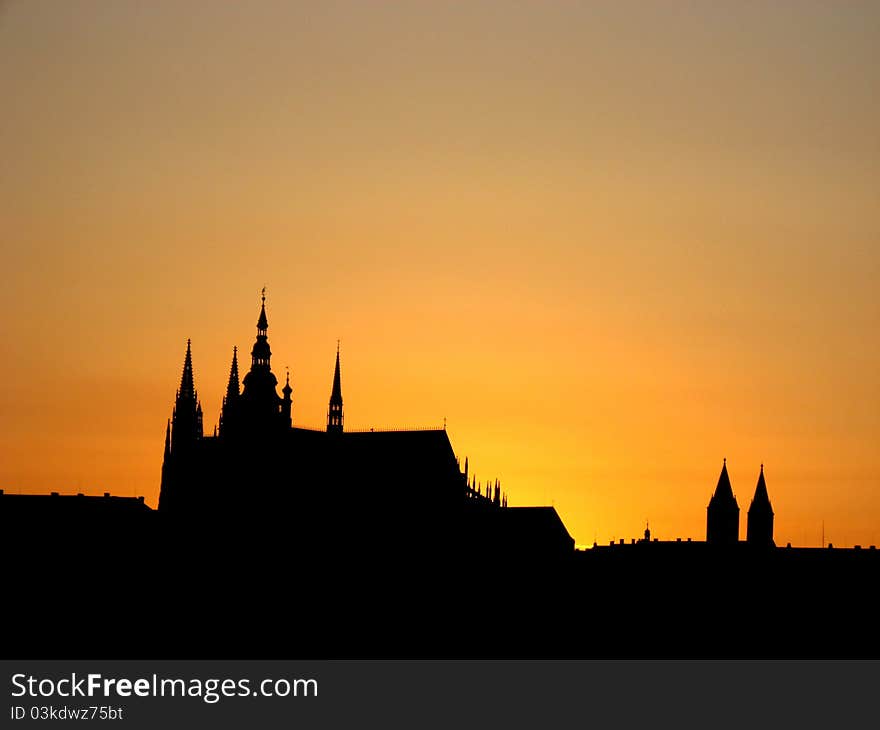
{"x":261,"y":407}
{"x":759,"y":526}
{"x":334,"y":410}
{"x":722,"y":515}
{"x":184,"y":429}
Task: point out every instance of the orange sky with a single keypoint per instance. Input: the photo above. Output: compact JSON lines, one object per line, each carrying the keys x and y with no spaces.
{"x":610,"y":243}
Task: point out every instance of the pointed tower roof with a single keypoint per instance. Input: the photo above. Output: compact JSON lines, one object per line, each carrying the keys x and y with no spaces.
{"x":261,"y":353}
{"x":336,"y":392}
{"x":233,"y":388}
{"x":187,"y":388}
{"x":287,"y":390}
{"x":334,"y":411}
{"x":168,"y":438}
{"x":262,"y":322}
{"x":723,"y":491}
{"x":186,"y":420}
{"x":761,"y":498}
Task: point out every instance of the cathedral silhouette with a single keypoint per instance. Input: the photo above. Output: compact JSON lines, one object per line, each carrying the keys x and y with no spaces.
{"x":379,"y":489}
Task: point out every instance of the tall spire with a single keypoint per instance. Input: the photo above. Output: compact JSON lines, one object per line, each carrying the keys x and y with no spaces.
{"x":232,"y":388}
{"x":334,"y":411}
{"x":259,"y":404}
{"x":186,"y":420}
{"x":187,"y":388}
{"x":336,"y":393}
{"x":261,"y":353}
{"x":229,"y":408}
{"x":262,"y":322}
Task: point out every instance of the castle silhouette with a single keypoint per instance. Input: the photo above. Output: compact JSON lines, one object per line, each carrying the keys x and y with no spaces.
{"x":274,"y":540}
{"x":378,"y":489}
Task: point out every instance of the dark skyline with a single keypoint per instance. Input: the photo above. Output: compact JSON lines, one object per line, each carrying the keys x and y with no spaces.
{"x":383,"y":543}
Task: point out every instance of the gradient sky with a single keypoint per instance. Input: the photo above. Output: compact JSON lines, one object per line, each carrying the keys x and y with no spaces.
{"x":612,"y":243}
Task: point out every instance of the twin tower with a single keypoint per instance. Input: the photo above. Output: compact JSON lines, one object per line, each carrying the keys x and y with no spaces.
{"x":722,"y":515}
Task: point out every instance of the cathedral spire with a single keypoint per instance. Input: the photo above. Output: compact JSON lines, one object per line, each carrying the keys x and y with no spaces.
{"x":230,"y":400}
{"x":232,"y":388}
{"x":261,"y":353}
{"x":259,"y":404}
{"x":334,"y":411}
{"x":187,"y":387}
{"x":336,"y":393}
{"x":186,"y":420}
{"x":262,"y":322}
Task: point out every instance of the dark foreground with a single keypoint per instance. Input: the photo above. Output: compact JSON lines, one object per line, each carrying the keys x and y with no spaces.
{"x":237,"y":591}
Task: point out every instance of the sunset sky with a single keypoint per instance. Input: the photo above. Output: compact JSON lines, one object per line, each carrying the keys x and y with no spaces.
{"x":610,"y":243}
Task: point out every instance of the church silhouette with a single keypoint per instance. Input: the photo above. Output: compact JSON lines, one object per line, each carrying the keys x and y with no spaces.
{"x":276,"y":541}
{"x":722,"y":518}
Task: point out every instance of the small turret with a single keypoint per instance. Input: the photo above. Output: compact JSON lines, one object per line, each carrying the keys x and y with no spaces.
{"x":286,"y":401}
